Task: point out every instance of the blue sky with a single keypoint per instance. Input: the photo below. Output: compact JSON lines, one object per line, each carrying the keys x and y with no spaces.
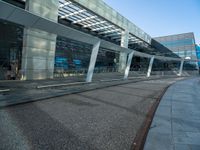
{"x":161,"y":17}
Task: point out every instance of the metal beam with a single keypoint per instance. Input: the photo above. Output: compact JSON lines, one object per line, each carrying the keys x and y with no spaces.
{"x":117,"y":38}
{"x":94,"y":24}
{"x":112,"y":34}
{"x":132,"y":38}
{"x":133,"y":42}
{"x":102,"y":28}
{"x":110,"y":31}
{"x":72,"y":14}
{"x":65,"y":4}
{"x":84,"y":19}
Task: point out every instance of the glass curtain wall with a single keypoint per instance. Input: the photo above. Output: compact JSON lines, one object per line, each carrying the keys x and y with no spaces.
{"x":11,"y":39}
{"x":139,"y":66}
{"x":163,"y":67}
{"x":71,"y":58}
{"x":106,"y":67}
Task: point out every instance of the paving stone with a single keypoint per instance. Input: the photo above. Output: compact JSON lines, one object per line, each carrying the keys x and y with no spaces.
{"x":161,"y":125}
{"x":186,"y":147}
{"x":157,"y":141}
{"x":177,"y":115}
{"x":192,"y":138}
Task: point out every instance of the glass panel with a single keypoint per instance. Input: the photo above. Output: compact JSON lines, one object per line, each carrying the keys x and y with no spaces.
{"x":165,"y":68}
{"x":71,"y":58}
{"x":139,"y":67}
{"x":106,"y":67}
{"x":10,"y":50}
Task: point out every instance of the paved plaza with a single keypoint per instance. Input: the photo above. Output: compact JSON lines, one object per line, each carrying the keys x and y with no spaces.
{"x":106,"y":118}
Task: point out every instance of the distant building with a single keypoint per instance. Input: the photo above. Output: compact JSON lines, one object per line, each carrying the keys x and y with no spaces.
{"x":181,"y":44}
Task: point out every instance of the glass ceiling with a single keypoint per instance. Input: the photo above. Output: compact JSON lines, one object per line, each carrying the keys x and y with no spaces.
{"x":77,"y":14}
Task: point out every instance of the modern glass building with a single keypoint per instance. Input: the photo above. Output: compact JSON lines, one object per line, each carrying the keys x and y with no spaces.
{"x":181,"y":44}
{"x":41,"y":38}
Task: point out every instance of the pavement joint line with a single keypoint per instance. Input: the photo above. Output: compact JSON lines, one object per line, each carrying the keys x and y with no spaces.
{"x":5,"y":90}
{"x":142,"y":77}
{"x":75,"y":83}
{"x":57,"y":85}
{"x":111,"y":80}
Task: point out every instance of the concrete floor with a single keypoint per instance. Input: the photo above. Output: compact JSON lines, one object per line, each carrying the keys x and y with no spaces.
{"x":176,"y":124}
{"x":102,"y":119}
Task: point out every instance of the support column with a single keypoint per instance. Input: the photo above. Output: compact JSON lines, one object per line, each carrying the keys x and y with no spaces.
{"x":123,"y":55}
{"x":130,"y":57}
{"x":197,"y":66}
{"x":93,"y":59}
{"x":38,"y":52}
{"x":181,"y":68}
{"x":150,"y":66}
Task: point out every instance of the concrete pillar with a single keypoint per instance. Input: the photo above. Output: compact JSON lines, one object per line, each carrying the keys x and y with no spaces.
{"x":150,"y":66}
{"x":130,"y":57}
{"x":93,"y":59}
{"x":123,"y":55}
{"x":38,"y":52}
{"x":197,"y":66}
{"x":181,"y":68}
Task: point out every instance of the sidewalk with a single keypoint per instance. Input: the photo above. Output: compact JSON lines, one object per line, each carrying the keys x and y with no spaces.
{"x":27,"y":91}
{"x":176,"y":124}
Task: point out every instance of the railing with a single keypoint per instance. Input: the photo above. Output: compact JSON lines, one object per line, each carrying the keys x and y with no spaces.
{"x":60,"y":73}
{"x":134,"y":71}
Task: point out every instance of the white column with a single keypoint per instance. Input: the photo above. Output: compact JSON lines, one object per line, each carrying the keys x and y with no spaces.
{"x":93,"y":58}
{"x":123,"y":55}
{"x":181,"y":68}
{"x":197,"y":66}
{"x":130,"y":57}
{"x":150,"y":66}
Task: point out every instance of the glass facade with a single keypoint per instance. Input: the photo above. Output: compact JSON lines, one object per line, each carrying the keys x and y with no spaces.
{"x":198,"y":54}
{"x":11,"y":39}
{"x":107,"y":59}
{"x":181,"y":44}
{"x":38,"y":47}
{"x":70,"y":56}
{"x":73,"y":56}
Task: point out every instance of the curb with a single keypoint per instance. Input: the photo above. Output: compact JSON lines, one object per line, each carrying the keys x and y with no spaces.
{"x":139,"y":141}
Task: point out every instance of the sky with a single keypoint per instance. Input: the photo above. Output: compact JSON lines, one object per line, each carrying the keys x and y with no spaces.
{"x":161,"y":17}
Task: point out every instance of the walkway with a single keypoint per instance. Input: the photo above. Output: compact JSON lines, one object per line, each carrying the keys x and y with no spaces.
{"x":176,"y":124}
{"x":99,"y":119}
{"x":26,"y":91}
